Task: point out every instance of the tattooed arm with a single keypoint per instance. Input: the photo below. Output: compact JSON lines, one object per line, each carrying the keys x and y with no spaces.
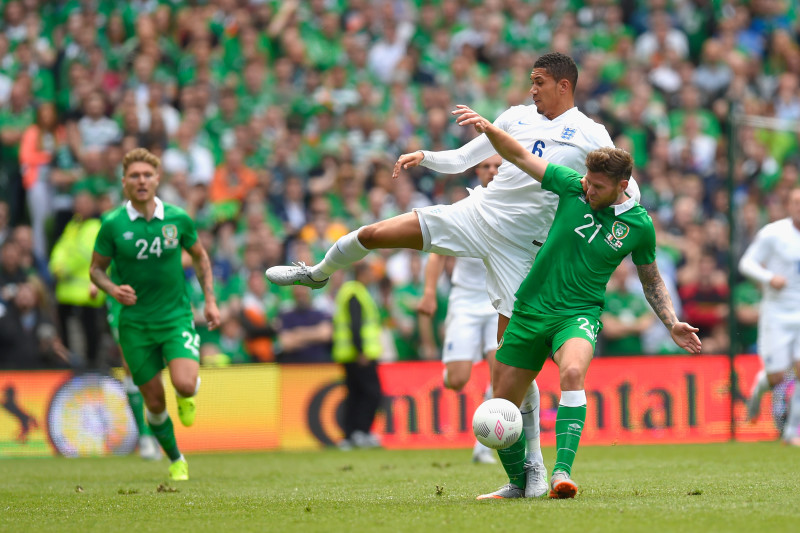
{"x":202,"y":268}
{"x":656,"y":293}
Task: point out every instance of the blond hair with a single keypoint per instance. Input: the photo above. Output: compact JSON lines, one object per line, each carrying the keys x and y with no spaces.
{"x":140,"y":155}
{"x":615,"y":163}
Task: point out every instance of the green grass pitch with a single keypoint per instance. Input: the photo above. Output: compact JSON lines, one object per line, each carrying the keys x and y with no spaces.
{"x":728,"y":487}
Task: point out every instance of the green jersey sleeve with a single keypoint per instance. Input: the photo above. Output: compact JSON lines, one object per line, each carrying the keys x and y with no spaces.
{"x":104,"y":243}
{"x":189,"y":231}
{"x":645,"y":251}
{"x":561,"y":180}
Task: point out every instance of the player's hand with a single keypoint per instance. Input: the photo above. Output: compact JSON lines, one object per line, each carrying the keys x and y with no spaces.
{"x":212,"y":315}
{"x":407,"y":161}
{"x":427,"y":304}
{"x":124,"y":294}
{"x":93,"y":291}
{"x":777,"y":282}
{"x":466,"y":116}
{"x":686,"y":337}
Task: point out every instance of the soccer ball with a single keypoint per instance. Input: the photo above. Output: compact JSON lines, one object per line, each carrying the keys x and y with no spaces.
{"x":497,"y":423}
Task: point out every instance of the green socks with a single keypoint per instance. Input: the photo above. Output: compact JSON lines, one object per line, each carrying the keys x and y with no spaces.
{"x":513,"y":459}
{"x":136,"y":402}
{"x":569,"y":425}
{"x":161,"y":424}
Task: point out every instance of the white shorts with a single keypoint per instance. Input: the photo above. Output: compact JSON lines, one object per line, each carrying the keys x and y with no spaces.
{"x":460,"y":231}
{"x":470,"y":327}
{"x":778,"y":341}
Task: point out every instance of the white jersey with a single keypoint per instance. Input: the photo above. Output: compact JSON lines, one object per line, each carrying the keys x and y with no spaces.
{"x":514,"y":203}
{"x":776,"y":251}
{"x":468,"y":293}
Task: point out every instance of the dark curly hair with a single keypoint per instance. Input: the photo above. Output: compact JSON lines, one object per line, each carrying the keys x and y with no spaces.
{"x":560,"y":66}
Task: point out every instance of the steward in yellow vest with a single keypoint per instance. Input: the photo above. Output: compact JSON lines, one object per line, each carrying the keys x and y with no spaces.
{"x":356,"y":324}
{"x":357,"y":345}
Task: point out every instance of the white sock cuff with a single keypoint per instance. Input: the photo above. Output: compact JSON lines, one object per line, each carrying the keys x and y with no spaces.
{"x":156,"y":419}
{"x":573,"y":398}
{"x":130,"y":386}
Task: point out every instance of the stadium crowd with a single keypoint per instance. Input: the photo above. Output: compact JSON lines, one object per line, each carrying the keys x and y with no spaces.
{"x":278,"y":124}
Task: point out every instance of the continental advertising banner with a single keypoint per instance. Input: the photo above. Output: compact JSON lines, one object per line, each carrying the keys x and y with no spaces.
{"x":631,"y":400}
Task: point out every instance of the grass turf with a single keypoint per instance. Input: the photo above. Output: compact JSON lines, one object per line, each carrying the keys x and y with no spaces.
{"x":728,"y":487}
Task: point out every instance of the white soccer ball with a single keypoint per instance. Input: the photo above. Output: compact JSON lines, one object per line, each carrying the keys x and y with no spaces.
{"x":497,"y":423}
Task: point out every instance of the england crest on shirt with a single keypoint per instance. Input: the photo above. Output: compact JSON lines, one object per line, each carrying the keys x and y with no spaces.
{"x":568,"y":133}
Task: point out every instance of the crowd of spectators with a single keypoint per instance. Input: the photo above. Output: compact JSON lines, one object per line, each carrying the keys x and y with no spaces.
{"x":278,"y":123}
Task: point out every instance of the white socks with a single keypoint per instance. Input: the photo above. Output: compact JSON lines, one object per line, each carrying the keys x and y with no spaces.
{"x":130,"y":386}
{"x":344,"y":252}
{"x":156,"y":419}
{"x":530,"y":423}
{"x":793,"y":415}
{"x":573,"y":398}
{"x":760,"y":385}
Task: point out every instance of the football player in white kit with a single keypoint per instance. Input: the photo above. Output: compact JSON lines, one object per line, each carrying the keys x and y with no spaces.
{"x":773,"y":259}
{"x":471,"y":323}
{"x":504,"y":224}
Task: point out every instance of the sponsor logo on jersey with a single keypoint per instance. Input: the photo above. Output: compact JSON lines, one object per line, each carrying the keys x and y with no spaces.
{"x":620,"y":230}
{"x":128,"y":235}
{"x":568,"y":133}
{"x":170,"y":233}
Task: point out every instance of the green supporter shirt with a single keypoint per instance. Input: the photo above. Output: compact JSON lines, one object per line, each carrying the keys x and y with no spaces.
{"x":582,"y":250}
{"x":147,"y":256}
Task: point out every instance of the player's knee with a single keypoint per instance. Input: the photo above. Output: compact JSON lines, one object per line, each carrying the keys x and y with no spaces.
{"x":155,"y":404}
{"x":367,"y":236}
{"x":775,"y":379}
{"x":456,"y":380}
{"x":185,"y":386}
{"x":572,"y":378}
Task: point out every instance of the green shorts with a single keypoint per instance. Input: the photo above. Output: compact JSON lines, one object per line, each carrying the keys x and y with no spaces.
{"x":530,"y":338}
{"x":148,"y":349}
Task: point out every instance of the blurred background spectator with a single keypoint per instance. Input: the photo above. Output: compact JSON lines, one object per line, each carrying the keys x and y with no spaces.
{"x":279,"y":121}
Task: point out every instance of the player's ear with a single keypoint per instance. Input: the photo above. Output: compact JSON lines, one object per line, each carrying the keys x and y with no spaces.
{"x":623,"y":184}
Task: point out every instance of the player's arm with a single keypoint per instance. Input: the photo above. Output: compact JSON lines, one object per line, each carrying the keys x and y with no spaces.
{"x":752,"y":263}
{"x":202,"y":268}
{"x":98,"y":272}
{"x":658,"y":297}
{"x":427,"y":304}
{"x":448,"y":161}
{"x":508,"y":147}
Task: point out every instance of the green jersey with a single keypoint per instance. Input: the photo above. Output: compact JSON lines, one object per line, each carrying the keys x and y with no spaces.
{"x":147,"y":256}
{"x":583,"y":248}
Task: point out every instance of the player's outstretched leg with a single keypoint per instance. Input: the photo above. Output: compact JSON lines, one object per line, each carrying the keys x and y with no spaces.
{"x":569,"y":426}
{"x":536,"y":485}
{"x":162,"y":427}
{"x":148,"y":445}
{"x":344,"y":252}
{"x":513,"y":459}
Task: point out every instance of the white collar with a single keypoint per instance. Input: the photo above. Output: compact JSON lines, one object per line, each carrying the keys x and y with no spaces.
{"x":624,"y":206}
{"x":133,"y":214}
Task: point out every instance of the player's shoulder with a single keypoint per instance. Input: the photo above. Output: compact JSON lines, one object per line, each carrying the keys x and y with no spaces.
{"x":777,"y":228}
{"x":174,"y":211}
{"x":518,"y":113}
{"x":591,"y":129}
{"x":113,"y":215}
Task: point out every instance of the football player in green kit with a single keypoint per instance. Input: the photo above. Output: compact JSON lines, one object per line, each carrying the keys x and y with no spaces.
{"x":559,"y":304}
{"x":145,"y":238}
